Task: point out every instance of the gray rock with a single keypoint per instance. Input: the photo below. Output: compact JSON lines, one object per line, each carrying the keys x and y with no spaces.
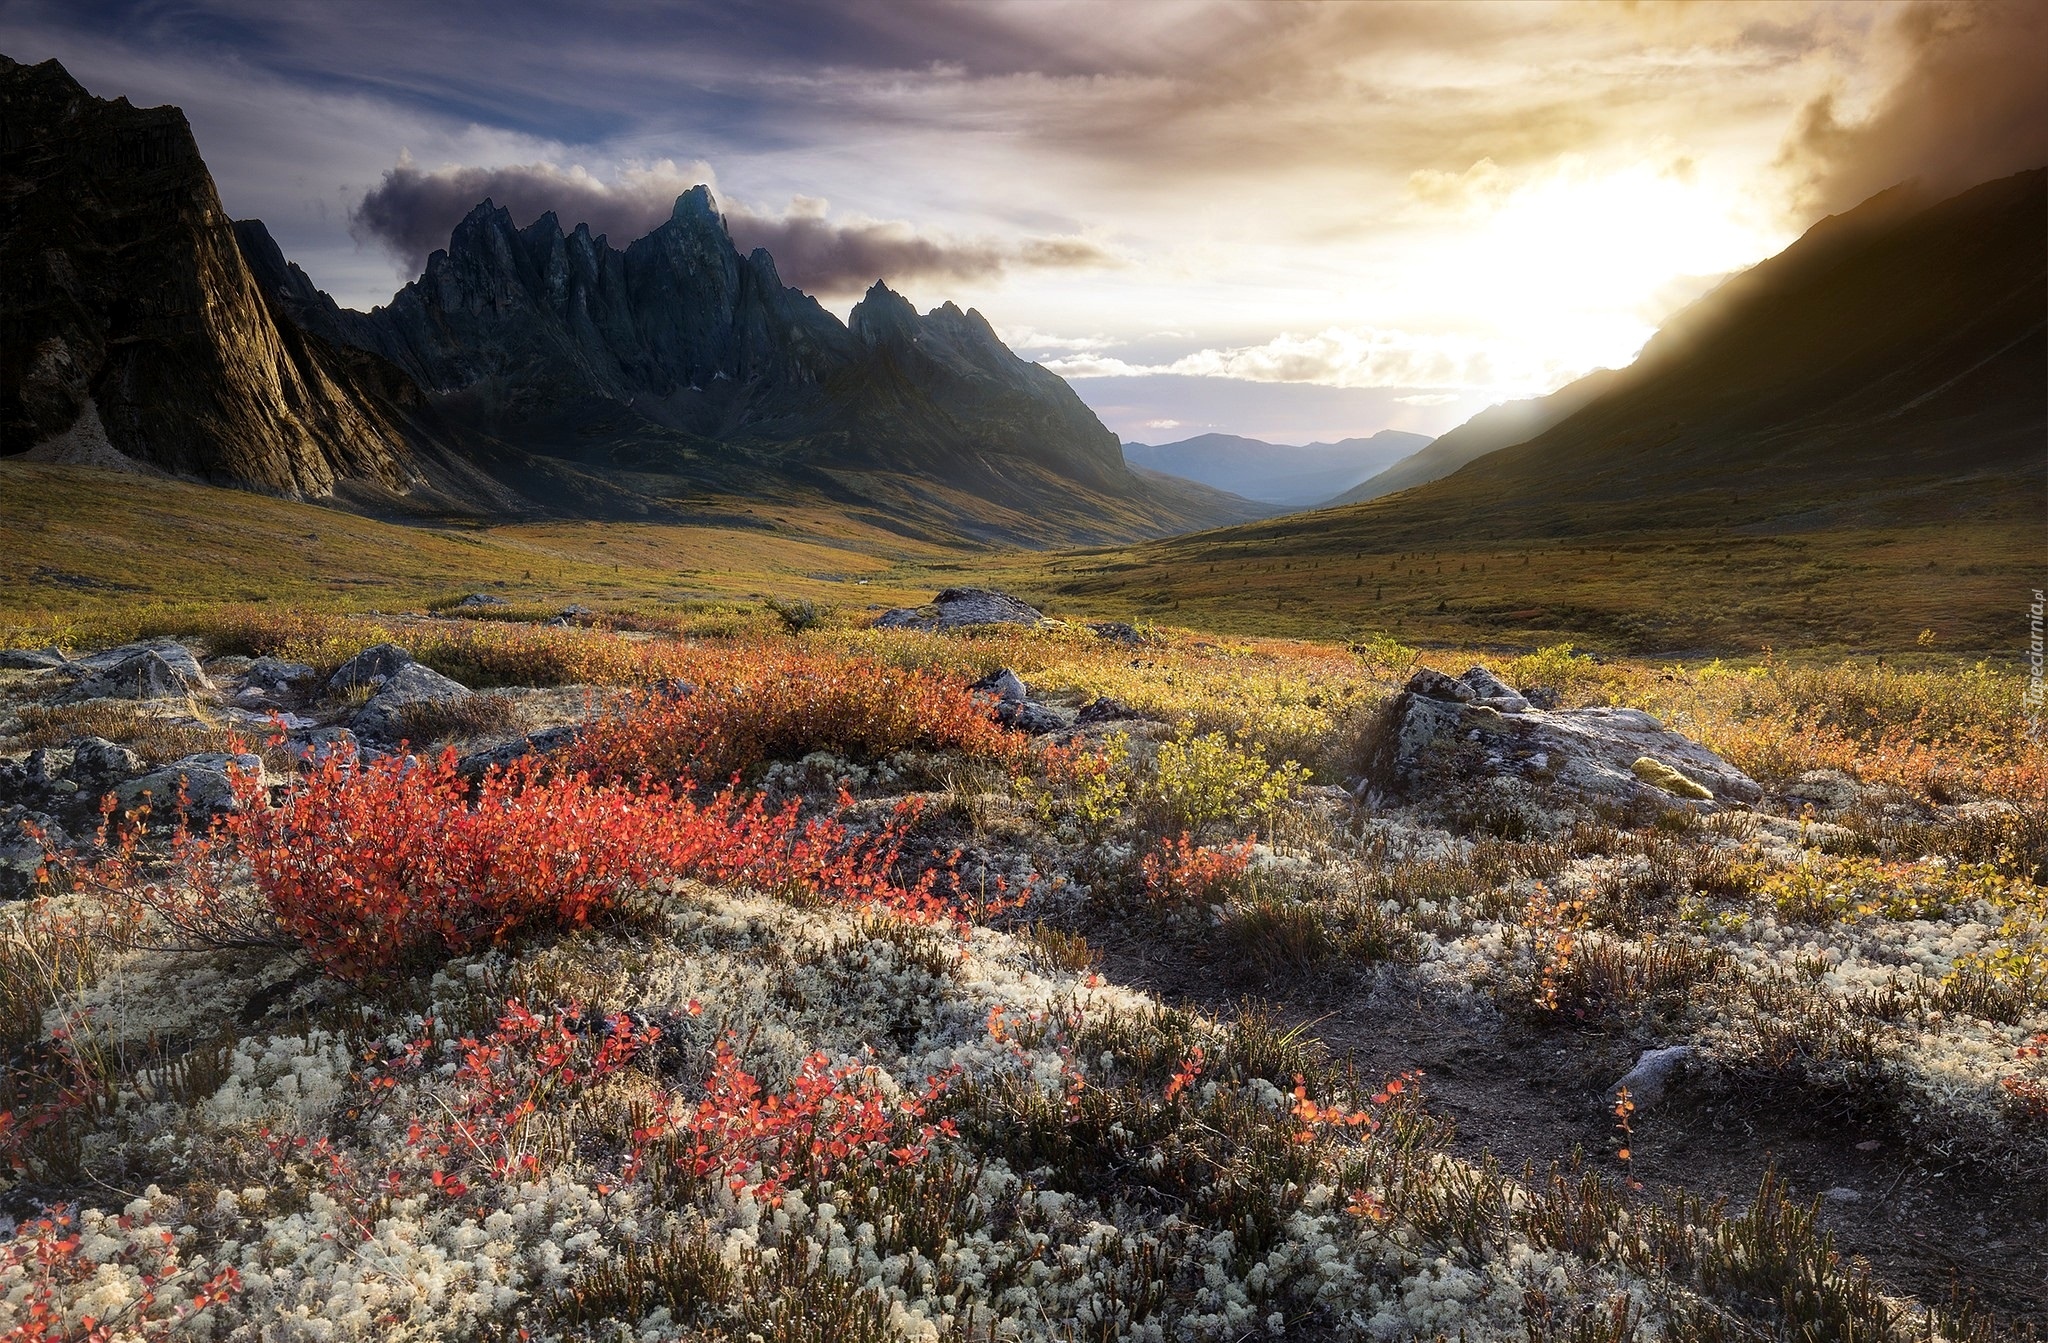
{"x":27,"y":841}
{"x":1653,"y":1074}
{"x":203,"y":778}
{"x":170,"y":650}
{"x":961,"y":608}
{"x":1116,"y":631}
{"x":322,"y":744}
{"x":1493,"y":692}
{"x":380,"y":719}
{"x":1842,"y":1193}
{"x":1004,"y":684}
{"x":97,"y":764}
{"x":1104,"y":710}
{"x":1826,"y":789}
{"x":276,"y":674}
{"x":1037,"y":719}
{"x":477,"y":599}
{"x":158,"y":671}
{"x":372,"y":667}
{"x":1438,"y":732}
{"x":546,"y":741}
{"x":31,"y":659}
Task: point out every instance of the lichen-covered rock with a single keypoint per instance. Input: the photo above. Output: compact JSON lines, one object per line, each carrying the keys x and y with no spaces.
{"x":372,"y":667}
{"x":27,"y":840}
{"x":382,"y":717}
{"x":201,"y":781}
{"x":275,"y":674}
{"x":1476,"y":735}
{"x":1826,"y":789}
{"x":31,"y":659}
{"x":960,"y":608}
{"x":1004,"y":684}
{"x":161,"y":670}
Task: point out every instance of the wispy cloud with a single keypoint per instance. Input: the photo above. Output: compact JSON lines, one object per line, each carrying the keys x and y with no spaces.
{"x":1342,"y":357}
{"x":412,"y":210}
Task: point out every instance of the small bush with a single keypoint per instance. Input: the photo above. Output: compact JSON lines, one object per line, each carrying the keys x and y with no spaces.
{"x":783,"y":706}
{"x":1203,"y":780}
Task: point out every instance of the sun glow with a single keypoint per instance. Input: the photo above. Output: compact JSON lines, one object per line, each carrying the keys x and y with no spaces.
{"x":1581,"y":264}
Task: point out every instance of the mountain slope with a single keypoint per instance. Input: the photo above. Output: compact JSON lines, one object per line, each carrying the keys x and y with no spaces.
{"x":1492,"y":429}
{"x":1276,"y":473}
{"x":1843,"y":446}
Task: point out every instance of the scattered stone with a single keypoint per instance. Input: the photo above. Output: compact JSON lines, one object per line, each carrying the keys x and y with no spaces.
{"x":1826,"y":789}
{"x":203,"y":778}
{"x":1036,"y":719}
{"x":27,"y":840}
{"x":31,"y":659}
{"x":576,"y":612}
{"x":477,"y":599}
{"x":546,"y":741}
{"x":171,"y":651}
{"x":275,"y":674}
{"x":1117,"y":632}
{"x":97,"y":764}
{"x":320,"y":745}
{"x":960,"y":608}
{"x":1842,"y":1194}
{"x":1442,"y":733}
{"x":1660,"y":775}
{"x":1104,"y":710}
{"x":1004,"y":684}
{"x":1653,"y":1074}
{"x":380,"y":718}
{"x":372,"y":667}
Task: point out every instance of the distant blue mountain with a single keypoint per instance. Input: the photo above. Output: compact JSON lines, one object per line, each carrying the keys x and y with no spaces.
{"x":1277,"y":473}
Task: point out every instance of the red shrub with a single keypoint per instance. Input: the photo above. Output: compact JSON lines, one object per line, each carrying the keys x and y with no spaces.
{"x":371,"y":865}
{"x":48,"y":1253}
{"x":1181,"y":872}
{"x":828,"y":1119}
{"x":782,"y":704}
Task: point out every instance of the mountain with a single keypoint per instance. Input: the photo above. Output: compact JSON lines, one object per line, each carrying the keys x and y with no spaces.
{"x":1276,"y":473}
{"x":1885,"y":367}
{"x":528,"y":370}
{"x":1496,"y":427}
{"x":1842,"y":446}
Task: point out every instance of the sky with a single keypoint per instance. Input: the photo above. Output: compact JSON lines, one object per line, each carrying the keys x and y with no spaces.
{"x":1290,"y":221}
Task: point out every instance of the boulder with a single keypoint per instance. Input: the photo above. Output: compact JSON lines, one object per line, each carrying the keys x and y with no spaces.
{"x":1037,"y":719}
{"x":31,"y":659}
{"x":381,"y":718}
{"x":1655,"y":1071}
{"x":98,"y":764}
{"x":372,"y":667}
{"x":27,"y":840}
{"x":1117,"y":632}
{"x":961,"y":608}
{"x":178,"y":656}
{"x":1004,"y":684}
{"x":546,"y":741}
{"x":1475,"y":730}
{"x":480,"y":599}
{"x":203,"y":779}
{"x":1826,"y":789}
{"x":1104,"y":710}
{"x":142,"y":671}
{"x":275,"y":674}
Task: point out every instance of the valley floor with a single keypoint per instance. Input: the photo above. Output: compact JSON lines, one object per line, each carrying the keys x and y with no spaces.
{"x":736,"y":973}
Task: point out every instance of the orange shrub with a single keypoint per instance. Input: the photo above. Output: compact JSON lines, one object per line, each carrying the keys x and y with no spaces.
{"x":784,"y":703}
{"x":1181,"y":872}
{"x":372,"y":866}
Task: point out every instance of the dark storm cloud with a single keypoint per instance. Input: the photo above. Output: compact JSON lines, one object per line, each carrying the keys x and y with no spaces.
{"x":411,"y":212}
{"x":1971,"y":105}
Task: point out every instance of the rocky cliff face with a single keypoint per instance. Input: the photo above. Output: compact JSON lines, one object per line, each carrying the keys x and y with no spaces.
{"x":129,"y":321}
{"x":550,"y":336}
{"x":527,"y":369}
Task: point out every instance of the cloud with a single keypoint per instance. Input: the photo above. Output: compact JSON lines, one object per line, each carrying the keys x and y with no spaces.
{"x":1340,"y":357}
{"x":1970,"y":104}
{"x":411,"y":212}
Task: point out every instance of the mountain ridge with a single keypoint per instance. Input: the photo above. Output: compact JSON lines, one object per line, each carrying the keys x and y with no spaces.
{"x":527,"y":371}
